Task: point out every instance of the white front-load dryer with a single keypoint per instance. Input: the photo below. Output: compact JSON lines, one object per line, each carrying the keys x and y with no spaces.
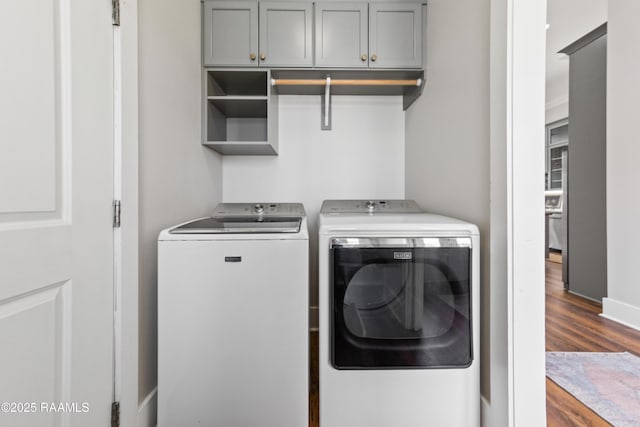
{"x":398,"y":317}
{"x":233,"y":318}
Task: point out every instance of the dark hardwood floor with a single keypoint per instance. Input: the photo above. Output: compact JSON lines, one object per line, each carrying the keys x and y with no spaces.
{"x":572,"y":324}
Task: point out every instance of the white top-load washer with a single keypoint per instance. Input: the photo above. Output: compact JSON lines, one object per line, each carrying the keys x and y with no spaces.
{"x":398,"y":316}
{"x":233,"y":318}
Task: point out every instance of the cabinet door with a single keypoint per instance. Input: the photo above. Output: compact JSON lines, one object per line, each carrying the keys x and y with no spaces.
{"x":395,"y":35}
{"x":230,"y":33}
{"x":285,"y":34}
{"x":341,"y":34}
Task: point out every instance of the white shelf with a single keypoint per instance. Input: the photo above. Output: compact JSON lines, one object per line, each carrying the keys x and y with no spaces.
{"x":258,"y":148}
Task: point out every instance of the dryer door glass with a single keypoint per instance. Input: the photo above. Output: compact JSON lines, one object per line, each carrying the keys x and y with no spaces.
{"x":400,"y":307}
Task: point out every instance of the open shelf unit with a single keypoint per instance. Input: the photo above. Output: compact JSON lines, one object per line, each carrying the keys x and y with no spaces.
{"x":240,"y":106}
{"x":240,"y":113}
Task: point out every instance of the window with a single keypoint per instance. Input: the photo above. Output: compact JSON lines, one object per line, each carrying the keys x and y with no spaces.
{"x":557,"y":143}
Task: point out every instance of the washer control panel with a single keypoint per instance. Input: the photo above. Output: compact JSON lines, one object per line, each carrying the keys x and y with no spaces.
{"x":259,"y":209}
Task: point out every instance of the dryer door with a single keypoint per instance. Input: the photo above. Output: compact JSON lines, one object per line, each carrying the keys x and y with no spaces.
{"x":401,"y":303}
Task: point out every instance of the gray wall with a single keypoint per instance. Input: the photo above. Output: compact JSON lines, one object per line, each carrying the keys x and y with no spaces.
{"x":623,"y":152}
{"x":447,"y":129}
{"x":179,"y":179}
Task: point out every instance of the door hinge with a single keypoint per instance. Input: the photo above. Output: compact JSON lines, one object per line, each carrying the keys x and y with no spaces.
{"x":115,"y":12}
{"x":116,"y":214}
{"x":115,"y":414}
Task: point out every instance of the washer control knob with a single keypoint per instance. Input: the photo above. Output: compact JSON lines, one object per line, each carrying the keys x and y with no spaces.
{"x":258,"y":208}
{"x":371,"y":205}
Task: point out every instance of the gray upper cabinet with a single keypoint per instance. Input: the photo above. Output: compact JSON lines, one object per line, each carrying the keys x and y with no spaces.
{"x":286,"y":36}
{"x":342,"y":34}
{"x":251,"y":34}
{"x":395,"y":35}
{"x":375,"y":35}
{"x":281,"y":34}
{"x":230,"y":33}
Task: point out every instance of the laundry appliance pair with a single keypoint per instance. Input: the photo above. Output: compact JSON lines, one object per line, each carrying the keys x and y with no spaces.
{"x":398,"y":322}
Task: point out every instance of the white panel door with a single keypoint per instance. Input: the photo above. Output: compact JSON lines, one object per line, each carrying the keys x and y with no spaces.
{"x":56,"y":190}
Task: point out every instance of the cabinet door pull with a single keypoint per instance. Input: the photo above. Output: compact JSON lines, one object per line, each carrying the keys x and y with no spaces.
{"x":252,"y":56}
{"x":263,"y":57}
{"x":363,"y":57}
{"x":374,"y":57}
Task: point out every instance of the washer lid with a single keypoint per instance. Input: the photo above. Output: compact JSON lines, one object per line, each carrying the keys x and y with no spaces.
{"x":240,"y":225}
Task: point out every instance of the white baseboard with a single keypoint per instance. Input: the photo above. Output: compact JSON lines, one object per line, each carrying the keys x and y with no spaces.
{"x":621,"y":312}
{"x":148,"y":410}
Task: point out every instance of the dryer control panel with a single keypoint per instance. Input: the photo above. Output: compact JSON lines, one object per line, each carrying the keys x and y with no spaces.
{"x":370,"y":206}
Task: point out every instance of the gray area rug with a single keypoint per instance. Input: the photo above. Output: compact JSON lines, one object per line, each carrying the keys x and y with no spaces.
{"x":608,"y":383}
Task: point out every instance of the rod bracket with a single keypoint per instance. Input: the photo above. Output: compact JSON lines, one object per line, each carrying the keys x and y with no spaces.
{"x":325,"y":115}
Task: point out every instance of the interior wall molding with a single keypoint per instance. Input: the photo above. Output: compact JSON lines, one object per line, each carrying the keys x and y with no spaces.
{"x":557,"y":102}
